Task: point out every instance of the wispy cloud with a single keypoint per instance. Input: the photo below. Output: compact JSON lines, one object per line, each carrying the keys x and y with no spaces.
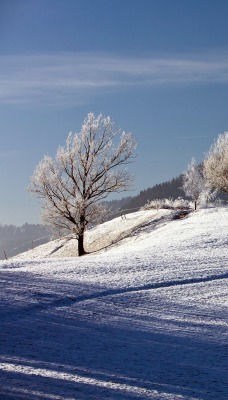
{"x":61,"y":78}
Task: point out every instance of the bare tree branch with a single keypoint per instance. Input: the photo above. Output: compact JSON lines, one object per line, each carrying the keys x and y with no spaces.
{"x":82,"y":174}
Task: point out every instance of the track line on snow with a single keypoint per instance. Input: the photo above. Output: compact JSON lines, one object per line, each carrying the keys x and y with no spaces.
{"x":151,"y":286}
{"x":71,"y":299}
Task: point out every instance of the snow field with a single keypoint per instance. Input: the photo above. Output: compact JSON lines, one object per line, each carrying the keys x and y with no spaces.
{"x":146,"y":318}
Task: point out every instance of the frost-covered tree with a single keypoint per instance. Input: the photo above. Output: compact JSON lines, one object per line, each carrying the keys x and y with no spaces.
{"x":215,"y":166}
{"x":193,"y":182}
{"x":207,"y":196}
{"x":84,"y":172}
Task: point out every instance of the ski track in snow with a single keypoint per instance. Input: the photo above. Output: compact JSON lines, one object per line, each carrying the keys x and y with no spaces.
{"x":145,"y":318}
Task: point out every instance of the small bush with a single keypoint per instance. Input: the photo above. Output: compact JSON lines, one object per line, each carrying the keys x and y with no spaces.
{"x":169,"y":204}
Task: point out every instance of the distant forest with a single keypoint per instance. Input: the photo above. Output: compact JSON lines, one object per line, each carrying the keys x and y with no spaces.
{"x":171,"y":189}
{"x":15,"y":240}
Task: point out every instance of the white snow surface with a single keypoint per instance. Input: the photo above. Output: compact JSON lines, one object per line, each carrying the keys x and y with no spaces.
{"x":144,"y":318}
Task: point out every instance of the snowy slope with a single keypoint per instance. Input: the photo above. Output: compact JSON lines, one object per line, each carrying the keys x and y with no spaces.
{"x":99,"y":237}
{"x":145,"y":318}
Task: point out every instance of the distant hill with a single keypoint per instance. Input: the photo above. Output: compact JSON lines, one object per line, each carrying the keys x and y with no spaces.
{"x":166,"y":190}
{"x":169,"y":189}
{"x":15,"y":240}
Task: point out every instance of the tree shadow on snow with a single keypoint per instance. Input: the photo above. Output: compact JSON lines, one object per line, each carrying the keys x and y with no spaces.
{"x":110,"y":344}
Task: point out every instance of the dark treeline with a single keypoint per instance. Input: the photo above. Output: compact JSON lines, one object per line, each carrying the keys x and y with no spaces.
{"x":114,"y":206}
{"x":167,"y":190}
{"x":12,"y":237}
{"x":170,"y":189}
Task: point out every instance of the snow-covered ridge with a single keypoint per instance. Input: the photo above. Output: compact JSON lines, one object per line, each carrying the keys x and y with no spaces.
{"x":101,"y":236}
{"x":147,"y":248}
{"x":136,"y":229}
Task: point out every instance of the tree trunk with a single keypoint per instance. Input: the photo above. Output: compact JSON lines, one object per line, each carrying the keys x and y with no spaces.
{"x":81,"y":250}
{"x":195,"y":204}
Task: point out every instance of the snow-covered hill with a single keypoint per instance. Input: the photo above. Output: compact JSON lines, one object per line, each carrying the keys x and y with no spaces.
{"x":143,"y":318}
{"x":101,"y":236}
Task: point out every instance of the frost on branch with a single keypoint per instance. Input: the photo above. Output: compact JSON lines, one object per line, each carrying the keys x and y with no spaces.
{"x":168,"y":204}
{"x":215,"y":166}
{"x":84,"y":172}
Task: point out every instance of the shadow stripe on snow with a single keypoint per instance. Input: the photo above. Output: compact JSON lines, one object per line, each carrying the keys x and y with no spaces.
{"x":69,"y":299}
{"x":151,"y":286}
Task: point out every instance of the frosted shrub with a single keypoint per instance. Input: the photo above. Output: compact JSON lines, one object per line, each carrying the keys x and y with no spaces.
{"x":180,"y":203}
{"x":207,"y":198}
{"x":169,"y":204}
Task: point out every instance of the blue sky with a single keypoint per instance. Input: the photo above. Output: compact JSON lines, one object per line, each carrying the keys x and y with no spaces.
{"x":159,"y":68}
